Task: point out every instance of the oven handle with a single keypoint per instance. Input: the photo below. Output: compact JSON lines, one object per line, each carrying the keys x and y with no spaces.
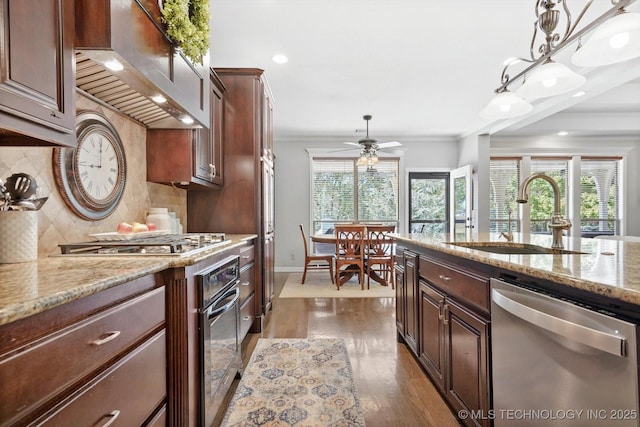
{"x":211,"y":312}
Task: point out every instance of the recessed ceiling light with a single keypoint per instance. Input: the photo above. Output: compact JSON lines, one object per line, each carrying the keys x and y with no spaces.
{"x":563,"y":133}
{"x":579,"y":94}
{"x":159,"y":99}
{"x":114,"y":65}
{"x":186,"y":120}
{"x":280,"y":59}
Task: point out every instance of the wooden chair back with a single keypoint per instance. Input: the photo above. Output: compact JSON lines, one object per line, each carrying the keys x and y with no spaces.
{"x":313,"y":261}
{"x":379,"y":242}
{"x":350,"y":248}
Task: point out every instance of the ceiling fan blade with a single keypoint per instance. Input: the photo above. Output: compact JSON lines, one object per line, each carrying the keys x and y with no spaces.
{"x":352,"y":143}
{"x":389,"y":144}
{"x":394,"y":151}
{"x":343,"y":149}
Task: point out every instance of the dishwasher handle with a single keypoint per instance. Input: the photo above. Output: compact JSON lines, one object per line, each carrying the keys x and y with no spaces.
{"x":600,"y":340}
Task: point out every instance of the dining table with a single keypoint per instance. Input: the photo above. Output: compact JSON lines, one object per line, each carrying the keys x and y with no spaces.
{"x":350,"y":271}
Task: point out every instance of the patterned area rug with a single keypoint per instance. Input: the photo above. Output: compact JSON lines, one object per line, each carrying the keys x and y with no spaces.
{"x":301,"y":382}
{"x":318,"y":285}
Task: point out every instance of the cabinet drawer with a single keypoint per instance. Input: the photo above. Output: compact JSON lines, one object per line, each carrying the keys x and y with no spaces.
{"x":125,"y":395}
{"x":247,"y":316}
{"x":247,"y":285}
{"x":247,"y":254}
{"x":62,"y":358}
{"x":463,"y":285}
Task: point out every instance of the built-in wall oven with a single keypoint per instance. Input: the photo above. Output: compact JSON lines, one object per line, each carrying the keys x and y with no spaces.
{"x":219,"y":327}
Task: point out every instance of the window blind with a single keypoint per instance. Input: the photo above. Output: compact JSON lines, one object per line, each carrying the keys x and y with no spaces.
{"x":599,"y":196}
{"x":504,"y":176}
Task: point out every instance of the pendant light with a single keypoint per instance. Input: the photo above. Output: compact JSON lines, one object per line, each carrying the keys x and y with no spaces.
{"x":550,"y":79}
{"x":616,"y":40}
{"x":505,"y":105}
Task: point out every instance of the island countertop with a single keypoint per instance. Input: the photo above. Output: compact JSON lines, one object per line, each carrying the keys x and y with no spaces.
{"x":28,"y":288}
{"x":605,"y":267}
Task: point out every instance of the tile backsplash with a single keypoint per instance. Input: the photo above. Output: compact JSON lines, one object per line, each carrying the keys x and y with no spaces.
{"x":56,"y":222}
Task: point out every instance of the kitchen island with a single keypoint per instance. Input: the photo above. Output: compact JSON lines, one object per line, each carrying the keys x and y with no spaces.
{"x":444,"y":306}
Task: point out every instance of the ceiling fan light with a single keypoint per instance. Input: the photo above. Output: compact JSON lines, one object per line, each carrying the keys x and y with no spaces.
{"x":372,"y":160}
{"x":616,"y":40}
{"x":362,"y":161}
{"x":550,"y":79}
{"x":505,"y":105}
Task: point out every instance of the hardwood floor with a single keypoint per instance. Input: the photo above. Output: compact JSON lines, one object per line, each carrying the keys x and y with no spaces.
{"x":393,"y":389}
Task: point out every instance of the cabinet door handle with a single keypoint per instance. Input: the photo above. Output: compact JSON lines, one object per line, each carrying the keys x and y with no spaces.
{"x":212,"y":167}
{"x":113,"y":415}
{"x":445,"y":315}
{"x":445,"y":278}
{"x":440,"y":307}
{"x":108,"y":336}
{"x":245,"y":283}
{"x":246,"y":318}
{"x":246,"y":256}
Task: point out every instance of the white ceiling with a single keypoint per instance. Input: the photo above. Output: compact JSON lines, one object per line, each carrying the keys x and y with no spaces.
{"x":421,"y":68}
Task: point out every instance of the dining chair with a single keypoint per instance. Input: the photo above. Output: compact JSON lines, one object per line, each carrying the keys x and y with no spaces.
{"x":314,"y":261}
{"x":350,"y":247}
{"x":380,"y":252}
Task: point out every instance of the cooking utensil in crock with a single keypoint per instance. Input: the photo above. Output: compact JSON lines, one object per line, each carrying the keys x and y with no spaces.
{"x":21,"y":186}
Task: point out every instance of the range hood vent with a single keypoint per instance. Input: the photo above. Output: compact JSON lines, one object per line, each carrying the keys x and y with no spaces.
{"x":132,"y":33}
{"x":93,"y":79}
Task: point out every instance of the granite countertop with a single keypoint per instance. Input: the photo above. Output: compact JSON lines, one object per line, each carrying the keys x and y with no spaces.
{"x":28,"y":288}
{"x":604,"y":267}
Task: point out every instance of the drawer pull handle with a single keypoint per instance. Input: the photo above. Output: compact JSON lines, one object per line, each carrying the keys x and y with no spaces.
{"x":445,"y":278}
{"x":113,"y":415}
{"x":245,"y":283}
{"x":246,"y":318}
{"x":246,"y":256}
{"x":108,"y":336}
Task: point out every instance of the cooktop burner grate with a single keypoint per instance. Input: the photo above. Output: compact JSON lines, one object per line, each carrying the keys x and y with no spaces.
{"x":168,"y":244}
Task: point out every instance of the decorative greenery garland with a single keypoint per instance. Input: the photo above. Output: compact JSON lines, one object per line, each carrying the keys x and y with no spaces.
{"x":188,"y":25}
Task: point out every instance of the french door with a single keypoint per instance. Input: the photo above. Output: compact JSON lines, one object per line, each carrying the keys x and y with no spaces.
{"x":461,"y":202}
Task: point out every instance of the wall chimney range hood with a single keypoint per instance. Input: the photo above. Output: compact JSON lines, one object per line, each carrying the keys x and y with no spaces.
{"x":132,"y":34}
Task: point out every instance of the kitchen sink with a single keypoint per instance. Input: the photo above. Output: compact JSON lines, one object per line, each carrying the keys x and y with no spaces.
{"x":511,"y":248}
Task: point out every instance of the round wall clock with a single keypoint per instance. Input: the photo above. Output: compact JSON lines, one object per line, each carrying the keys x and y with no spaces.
{"x":91,"y":177}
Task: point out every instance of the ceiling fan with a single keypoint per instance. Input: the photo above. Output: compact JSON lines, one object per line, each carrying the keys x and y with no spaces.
{"x":369,"y":146}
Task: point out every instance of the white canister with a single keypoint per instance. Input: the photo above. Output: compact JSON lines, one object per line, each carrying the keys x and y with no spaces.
{"x":160,"y":217}
{"x":19,"y":241}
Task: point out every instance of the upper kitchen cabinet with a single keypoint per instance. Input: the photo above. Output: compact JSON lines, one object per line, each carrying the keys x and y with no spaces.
{"x":190,"y":158}
{"x":37,"y":98}
{"x":133,"y":34}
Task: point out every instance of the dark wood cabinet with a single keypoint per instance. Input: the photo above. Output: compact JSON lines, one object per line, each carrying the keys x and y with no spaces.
{"x":244,"y":204}
{"x":432,"y":333}
{"x":37,"y":82}
{"x":411,"y":300}
{"x":466,"y":351}
{"x":190,"y":158}
{"x":454,"y":334}
{"x":87,"y":360}
{"x":401,"y":297}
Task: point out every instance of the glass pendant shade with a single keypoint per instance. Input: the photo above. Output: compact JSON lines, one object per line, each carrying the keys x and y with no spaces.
{"x":504,"y":106}
{"x":616,"y":40}
{"x":362,"y":160}
{"x":550,"y":79}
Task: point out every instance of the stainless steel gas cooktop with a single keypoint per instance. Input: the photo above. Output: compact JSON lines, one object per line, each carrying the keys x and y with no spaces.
{"x":164,"y":245}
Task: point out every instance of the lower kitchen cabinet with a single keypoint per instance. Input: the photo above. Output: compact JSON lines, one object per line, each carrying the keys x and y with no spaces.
{"x":93,"y":360}
{"x":443,"y":316}
{"x":400,"y":299}
{"x":454,"y":334}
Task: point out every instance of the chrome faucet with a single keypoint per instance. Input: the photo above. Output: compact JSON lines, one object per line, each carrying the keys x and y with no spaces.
{"x":558,"y":223}
{"x":508,"y":234}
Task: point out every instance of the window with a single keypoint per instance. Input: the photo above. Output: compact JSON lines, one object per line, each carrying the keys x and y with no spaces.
{"x":541,"y":203}
{"x":343,"y":192}
{"x":428,"y":202}
{"x":599,"y":205}
{"x":599,"y":193}
{"x":504,"y":177}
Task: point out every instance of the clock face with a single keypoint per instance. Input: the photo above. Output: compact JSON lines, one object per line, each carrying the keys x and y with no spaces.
{"x":96,"y":166}
{"x":91,"y":177}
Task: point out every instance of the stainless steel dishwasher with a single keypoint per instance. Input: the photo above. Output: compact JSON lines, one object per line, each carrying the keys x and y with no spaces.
{"x":560,"y":363}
